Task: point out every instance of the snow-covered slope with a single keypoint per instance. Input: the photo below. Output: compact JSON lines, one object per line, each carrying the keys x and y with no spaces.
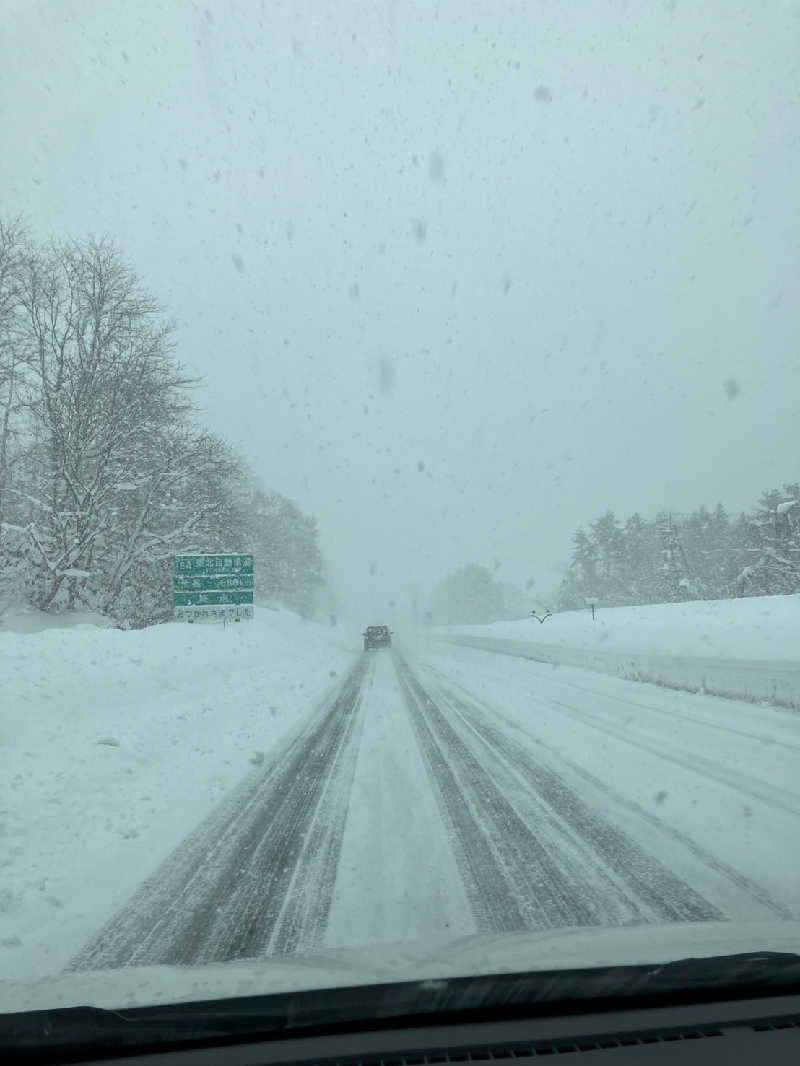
{"x":25,"y":619}
{"x":113,"y":743}
{"x":758,"y":627}
{"x":747,"y":648}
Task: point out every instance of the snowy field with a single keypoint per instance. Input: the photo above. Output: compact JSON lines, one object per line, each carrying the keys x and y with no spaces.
{"x":114,"y":744}
{"x":186,"y":796}
{"x":744,"y":648}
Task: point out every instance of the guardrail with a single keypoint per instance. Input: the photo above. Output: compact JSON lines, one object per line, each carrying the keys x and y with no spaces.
{"x":759,"y":681}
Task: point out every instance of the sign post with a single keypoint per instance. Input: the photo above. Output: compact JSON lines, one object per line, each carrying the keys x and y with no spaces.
{"x":212,"y":588}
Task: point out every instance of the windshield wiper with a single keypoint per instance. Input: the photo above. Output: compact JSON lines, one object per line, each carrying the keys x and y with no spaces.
{"x":73,"y":1034}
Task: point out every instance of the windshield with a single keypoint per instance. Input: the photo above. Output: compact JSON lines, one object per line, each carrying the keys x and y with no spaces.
{"x":399,"y":491}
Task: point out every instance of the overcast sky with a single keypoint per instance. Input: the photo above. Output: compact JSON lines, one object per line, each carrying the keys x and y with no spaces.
{"x":458,"y":276}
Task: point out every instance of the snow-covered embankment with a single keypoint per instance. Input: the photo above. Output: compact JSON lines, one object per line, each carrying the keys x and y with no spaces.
{"x":116,"y":744}
{"x":744,"y":648}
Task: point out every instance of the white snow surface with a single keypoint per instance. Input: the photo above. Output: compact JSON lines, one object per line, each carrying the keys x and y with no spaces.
{"x":708,"y":786}
{"x":431,"y":959}
{"x":745,"y":648}
{"x":754,"y":627}
{"x":29,"y":620}
{"x":396,"y":859}
{"x":117,"y":743}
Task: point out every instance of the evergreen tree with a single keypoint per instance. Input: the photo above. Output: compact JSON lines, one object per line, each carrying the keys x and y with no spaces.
{"x":704,"y":555}
{"x":609,"y":544}
{"x":471,"y":596}
{"x":641,"y":552}
{"x":773,"y":542}
{"x":674,"y":581}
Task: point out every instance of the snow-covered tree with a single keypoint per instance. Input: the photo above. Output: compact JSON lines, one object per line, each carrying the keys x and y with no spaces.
{"x":285,"y":543}
{"x":772,"y":541}
{"x":13,"y":247}
{"x":675,"y":583}
{"x":640,"y":552}
{"x":101,"y":387}
{"x":472,"y":596}
{"x":612,"y":564}
{"x":582,"y":578}
{"x":104,"y":472}
{"x":705,"y":554}
{"x":180,"y":499}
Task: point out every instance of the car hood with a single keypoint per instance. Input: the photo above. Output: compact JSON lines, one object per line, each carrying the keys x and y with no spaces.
{"x":562,"y":949}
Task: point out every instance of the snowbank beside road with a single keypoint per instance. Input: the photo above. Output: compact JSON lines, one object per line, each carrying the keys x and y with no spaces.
{"x":745,"y":648}
{"x":758,"y":627}
{"x":114,"y":743}
{"x":30,"y":620}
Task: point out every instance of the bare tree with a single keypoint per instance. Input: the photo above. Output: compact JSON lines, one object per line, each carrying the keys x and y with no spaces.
{"x":13,"y":242}
{"x":180,"y":499}
{"x":103,"y":383}
{"x":111,"y":475}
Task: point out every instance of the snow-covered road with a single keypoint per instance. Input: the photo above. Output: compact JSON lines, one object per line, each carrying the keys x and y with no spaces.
{"x":456,"y":791}
{"x":257,"y":877}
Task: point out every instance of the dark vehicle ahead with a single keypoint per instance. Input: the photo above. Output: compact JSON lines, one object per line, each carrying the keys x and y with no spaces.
{"x":377,"y":637}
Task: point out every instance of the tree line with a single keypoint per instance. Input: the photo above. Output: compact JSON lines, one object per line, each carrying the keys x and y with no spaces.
{"x":473,"y":596}
{"x":670,"y":558}
{"x":105,"y":470}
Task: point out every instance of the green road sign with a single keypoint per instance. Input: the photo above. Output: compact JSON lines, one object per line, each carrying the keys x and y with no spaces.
{"x":226,"y":612}
{"x":203,"y":599}
{"x":208,"y":582}
{"x":213,"y":588}
{"x":213,"y":564}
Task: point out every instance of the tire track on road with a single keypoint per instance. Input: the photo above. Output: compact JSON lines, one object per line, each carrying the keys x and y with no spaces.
{"x":486,"y":712}
{"x":692,"y":719}
{"x":512,"y":881}
{"x":581,"y":870}
{"x":761,"y":791}
{"x":257,"y":876}
{"x":664,"y":895}
{"x":695,"y":718}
